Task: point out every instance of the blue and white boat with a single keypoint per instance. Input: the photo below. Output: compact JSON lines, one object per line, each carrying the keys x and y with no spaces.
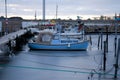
{"x":67,"y":46}
{"x":55,"y":40}
{"x":47,"y":40}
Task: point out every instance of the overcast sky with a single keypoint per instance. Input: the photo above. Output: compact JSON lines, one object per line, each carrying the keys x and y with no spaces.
{"x":66,"y":8}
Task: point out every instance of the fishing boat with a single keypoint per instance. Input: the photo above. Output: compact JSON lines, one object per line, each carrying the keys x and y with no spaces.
{"x":49,"y":40}
{"x":56,"y":40}
{"x":67,"y":47}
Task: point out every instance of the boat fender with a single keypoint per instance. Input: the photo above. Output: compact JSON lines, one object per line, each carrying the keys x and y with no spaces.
{"x":68,"y":44}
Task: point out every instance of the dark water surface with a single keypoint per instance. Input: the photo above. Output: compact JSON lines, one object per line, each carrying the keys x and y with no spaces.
{"x":60,"y":65}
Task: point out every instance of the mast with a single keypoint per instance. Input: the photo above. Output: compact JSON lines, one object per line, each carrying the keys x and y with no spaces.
{"x":56,"y":11}
{"x":35,"y":15}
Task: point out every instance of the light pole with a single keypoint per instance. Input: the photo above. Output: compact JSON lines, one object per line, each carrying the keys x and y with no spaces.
{"x":6,"y":20}
{"x":43,"y":12}
{"x":43,"y":9}
{"x":6,"y":9}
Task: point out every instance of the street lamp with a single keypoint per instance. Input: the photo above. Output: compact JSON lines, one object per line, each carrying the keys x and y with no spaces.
{"x":43,"y":9}
{"x":6,"y":20}
{"x":6,"y":9}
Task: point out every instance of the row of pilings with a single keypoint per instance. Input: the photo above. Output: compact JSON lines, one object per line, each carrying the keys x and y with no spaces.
{"x":14,"y":45}
{"x":103,"y":44}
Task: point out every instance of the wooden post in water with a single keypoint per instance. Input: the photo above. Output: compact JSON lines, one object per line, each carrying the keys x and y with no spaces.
{"x":90,"y":40}
{"x":98,"y":41}
{"x":117,"y":58}
{"x":101,"y":38}
{"x":115,"y":44}
{"x":104,"y":56}
{"x":107,"y":39}
{"x":116,"y":25}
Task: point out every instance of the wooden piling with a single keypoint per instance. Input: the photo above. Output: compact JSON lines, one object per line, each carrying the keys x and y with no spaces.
{"x":104,"y":56}
{"x":107,"y":39}
{"x":115,"y":45}
{"x":101,"y":39}
{"x":117,"y":58}
{"x":98,"y":41}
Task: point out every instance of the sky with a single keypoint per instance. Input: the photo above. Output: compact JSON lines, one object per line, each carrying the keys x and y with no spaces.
{"x":67,"y":9}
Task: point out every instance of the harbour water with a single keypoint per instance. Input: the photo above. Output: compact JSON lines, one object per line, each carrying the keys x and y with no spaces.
{"x":61,"y":65}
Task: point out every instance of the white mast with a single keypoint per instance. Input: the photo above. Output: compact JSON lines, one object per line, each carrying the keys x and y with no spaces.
{"x":35,"y":15}
{"x":56,"y":11}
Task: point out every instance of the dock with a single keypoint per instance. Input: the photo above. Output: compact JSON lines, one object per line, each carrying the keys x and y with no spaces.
{"x":6,"y":38}
{"x":19,"y":37}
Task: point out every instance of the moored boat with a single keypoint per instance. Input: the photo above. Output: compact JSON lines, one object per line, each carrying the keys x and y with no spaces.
{"x":48,"y":40}
{"x":67,"y":46}
{"x":55,"y":40}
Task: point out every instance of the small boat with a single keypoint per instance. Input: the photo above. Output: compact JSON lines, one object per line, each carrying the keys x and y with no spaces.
{"x":47,"y":40}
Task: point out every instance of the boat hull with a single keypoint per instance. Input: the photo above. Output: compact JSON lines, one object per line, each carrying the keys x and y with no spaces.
{"x":59,"y":47}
